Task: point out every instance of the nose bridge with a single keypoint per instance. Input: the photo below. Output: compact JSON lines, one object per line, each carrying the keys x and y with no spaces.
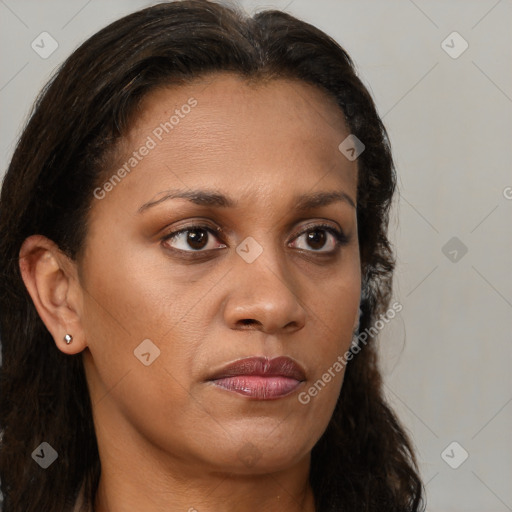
{"x":265,"y":294}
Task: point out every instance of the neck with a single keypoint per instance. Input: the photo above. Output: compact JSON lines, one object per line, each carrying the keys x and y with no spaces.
{"x":204,"y":492}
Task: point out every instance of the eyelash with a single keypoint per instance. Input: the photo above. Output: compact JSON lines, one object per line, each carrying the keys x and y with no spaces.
{"x":340,"y":238}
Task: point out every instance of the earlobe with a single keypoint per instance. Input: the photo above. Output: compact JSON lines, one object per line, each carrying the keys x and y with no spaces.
{"x":52,"y":282}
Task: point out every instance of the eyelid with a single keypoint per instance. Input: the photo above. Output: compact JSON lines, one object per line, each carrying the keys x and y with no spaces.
{"x":215,"y":231}
{"x":341,"y":238}
{"x":338,"y":233}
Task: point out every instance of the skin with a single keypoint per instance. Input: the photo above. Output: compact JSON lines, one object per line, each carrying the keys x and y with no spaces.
{"x":168,"y":439}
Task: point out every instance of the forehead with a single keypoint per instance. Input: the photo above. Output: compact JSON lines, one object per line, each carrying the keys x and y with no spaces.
{"x":223,"y":131}
{"x":228,"y":91}
{"x":228,"y":107}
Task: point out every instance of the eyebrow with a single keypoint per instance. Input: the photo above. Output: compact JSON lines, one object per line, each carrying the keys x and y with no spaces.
{"x":217,"y":199}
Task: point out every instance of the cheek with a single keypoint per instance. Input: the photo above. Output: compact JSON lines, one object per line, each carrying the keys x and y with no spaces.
{"x":135,"y":321}
{"x":127,"y":294}
{"x":143,"y":345}
{"x":335,"y":306}
{"x":335,"y":312}
{"x":155,"y":401}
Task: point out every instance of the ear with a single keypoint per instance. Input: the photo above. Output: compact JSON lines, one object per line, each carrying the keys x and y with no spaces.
{"x":51,"y":279}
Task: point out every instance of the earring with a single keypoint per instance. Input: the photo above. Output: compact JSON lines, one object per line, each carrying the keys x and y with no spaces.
{"x":68,"y":339}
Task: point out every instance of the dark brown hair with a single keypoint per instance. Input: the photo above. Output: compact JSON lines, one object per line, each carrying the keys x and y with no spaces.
{"x":364,"y":461}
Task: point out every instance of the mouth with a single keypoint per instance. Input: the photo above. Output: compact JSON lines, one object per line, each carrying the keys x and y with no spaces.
{"x":260,"y":378}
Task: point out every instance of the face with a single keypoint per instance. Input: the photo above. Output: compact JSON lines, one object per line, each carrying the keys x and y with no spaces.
{"x":258,"y":258}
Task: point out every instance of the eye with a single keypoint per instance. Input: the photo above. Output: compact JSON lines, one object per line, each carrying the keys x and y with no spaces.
{"x":192,"y":239}
{"x":320,"y":238}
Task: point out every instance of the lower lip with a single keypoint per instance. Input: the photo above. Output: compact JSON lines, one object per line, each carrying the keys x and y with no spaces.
{"x":258,"y":387}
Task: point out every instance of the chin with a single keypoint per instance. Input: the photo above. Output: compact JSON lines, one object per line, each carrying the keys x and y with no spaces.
{"x":251,"y":456}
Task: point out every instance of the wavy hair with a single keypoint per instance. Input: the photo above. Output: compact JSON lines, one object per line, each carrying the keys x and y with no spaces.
{"x":364,"y":461}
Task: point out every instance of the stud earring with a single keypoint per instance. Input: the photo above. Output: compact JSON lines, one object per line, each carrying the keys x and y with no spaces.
{"x":68,"y":339}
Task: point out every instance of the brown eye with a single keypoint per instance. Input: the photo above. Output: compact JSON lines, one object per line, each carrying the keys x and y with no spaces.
{"x":197,"y":238}
{"x":193,"y":238}
{"x":322,"y":239}
{"x":316,"y":239}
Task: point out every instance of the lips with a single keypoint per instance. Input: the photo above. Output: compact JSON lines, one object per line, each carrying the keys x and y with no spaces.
{"x":260,"y":378}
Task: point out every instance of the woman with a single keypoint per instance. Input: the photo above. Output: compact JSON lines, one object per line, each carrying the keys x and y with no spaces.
{"x":193,"y":233}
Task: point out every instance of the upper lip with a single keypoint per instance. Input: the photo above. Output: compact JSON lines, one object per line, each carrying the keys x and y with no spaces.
{"x":262,"y":366}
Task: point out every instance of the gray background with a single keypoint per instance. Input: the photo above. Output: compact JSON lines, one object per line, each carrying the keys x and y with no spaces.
{"x":447,"y":355}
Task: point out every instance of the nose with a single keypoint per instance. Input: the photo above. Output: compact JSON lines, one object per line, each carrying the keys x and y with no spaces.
{"x":264,"y":296}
